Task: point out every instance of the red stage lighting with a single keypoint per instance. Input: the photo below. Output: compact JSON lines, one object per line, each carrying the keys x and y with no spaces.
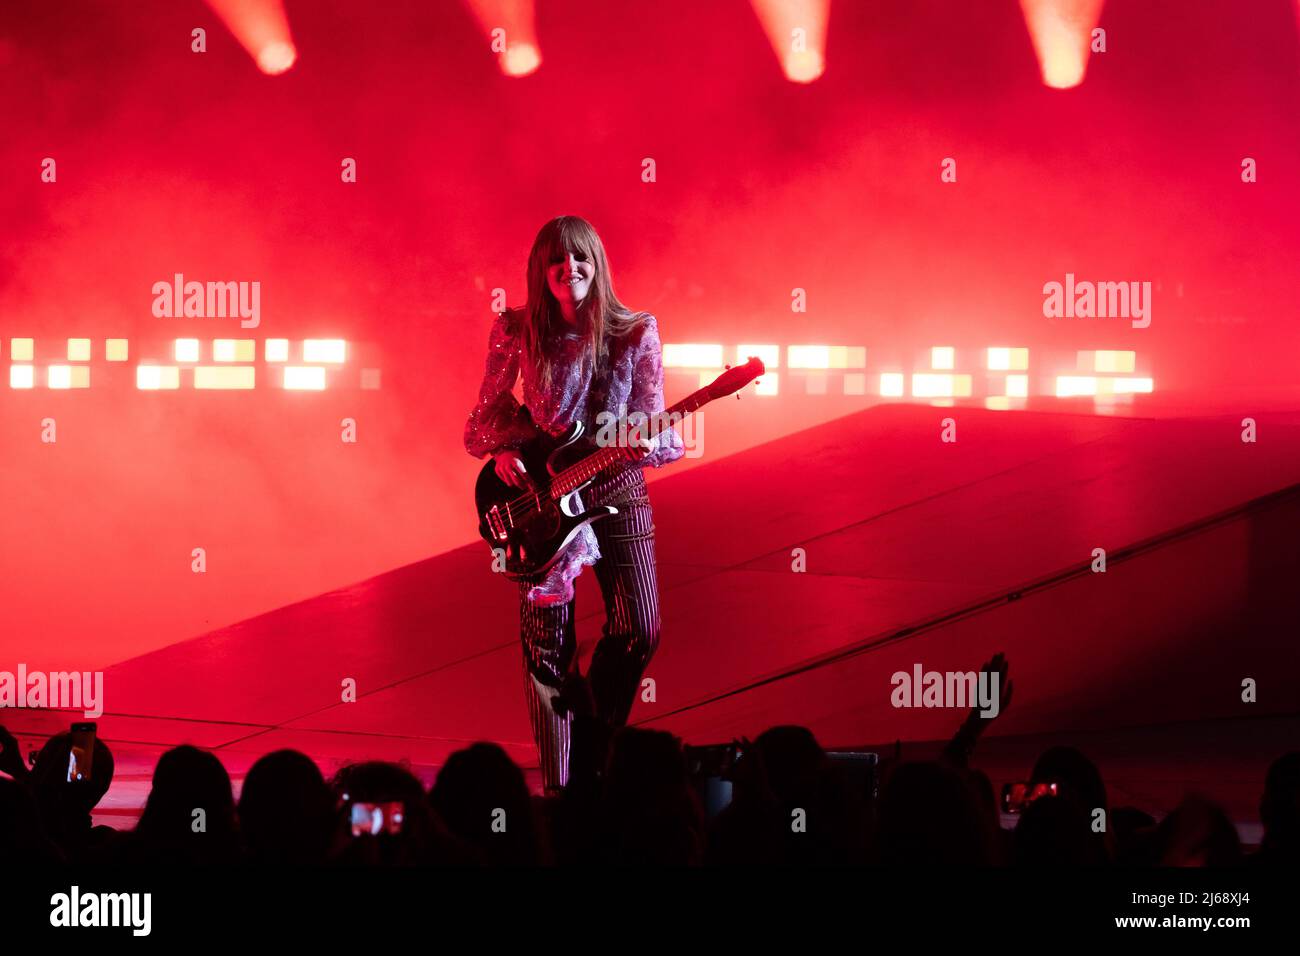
{"x":797,"y":31}
{"x":262,"y":29}
{"x":512,"y":33}
{"x":1061,"y":31}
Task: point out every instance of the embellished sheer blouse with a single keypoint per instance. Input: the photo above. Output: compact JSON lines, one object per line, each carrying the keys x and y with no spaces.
{"x":633,"y":386}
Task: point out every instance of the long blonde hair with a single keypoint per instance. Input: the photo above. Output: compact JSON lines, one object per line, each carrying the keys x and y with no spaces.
{"x":608,"y":317}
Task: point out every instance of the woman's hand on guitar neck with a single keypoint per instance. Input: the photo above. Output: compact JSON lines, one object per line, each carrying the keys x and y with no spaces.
{"x":510,"y":468}
{"x":638,"y":448}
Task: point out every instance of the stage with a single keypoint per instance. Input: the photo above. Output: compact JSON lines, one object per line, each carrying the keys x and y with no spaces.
{"x":917,"y":551}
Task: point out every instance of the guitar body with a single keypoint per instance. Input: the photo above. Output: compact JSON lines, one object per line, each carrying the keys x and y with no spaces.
{"x":530,"y":526}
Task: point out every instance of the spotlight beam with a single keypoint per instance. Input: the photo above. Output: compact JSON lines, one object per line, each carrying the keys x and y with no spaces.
{"x":511,"y":29}
{"x":1061,"y":31}
{"x":797,"y":31}
{"x":262,"y":28}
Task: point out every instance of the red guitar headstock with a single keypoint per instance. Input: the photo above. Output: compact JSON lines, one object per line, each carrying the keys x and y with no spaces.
{"x":734,"y":379}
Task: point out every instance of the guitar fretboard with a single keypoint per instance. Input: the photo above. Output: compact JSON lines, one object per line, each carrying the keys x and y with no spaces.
{"x":573,"y":476}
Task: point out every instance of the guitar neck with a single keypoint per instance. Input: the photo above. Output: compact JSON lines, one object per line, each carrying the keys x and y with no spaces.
{"x":570,"y":478}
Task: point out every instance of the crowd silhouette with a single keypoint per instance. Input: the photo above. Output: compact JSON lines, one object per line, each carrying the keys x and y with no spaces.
{"x":631,"y":800}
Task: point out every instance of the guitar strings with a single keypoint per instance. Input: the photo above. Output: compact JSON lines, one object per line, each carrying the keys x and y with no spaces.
{"x":523,"y":505}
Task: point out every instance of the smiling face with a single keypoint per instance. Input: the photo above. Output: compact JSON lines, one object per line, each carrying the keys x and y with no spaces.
{"x":569,"y":277}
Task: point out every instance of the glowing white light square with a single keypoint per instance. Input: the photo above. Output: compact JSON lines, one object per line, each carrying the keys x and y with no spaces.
{"x":1070,"y":386}
{"x":152,"y":377}
{"x":1129,"y":386}
{"x":68,"y":376}
{"x":692,"y":355}
{"x":21,"y":350}
{"x":115,"y":350}
{"x":928,"y":385}
{"x":942,"y":356}
{"x":304,"y":378}
{"x":233,"y":350}
{"x":1018,"y":386}
{"x":224,"y":377}
{"x":22,"y":376}
{"x":78,"y":350}
{"x":277,"y":350}
{"x":333,"y":351}
{"x":187,"y":350}
{"x":1002,"y":359}
{"x":766,"y":384}
{"x":808,"y":356}
{"x":891,"y":384}
{"x":1120,"y":362}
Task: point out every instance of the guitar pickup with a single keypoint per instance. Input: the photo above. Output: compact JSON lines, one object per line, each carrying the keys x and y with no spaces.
{"x":496,"y":525}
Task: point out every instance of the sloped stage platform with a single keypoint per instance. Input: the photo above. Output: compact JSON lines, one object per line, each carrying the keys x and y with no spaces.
{"x":917,"y":552}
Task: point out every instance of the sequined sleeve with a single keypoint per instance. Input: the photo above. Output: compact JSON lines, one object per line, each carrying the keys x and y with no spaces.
{"x":647,"y":394}
{"x":498,"y":420}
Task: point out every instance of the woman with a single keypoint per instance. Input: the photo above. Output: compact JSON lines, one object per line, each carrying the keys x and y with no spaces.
{"x":584,"y":356}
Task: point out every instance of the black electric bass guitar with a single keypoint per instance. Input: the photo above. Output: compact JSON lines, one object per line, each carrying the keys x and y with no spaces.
{"x":534,"y":526}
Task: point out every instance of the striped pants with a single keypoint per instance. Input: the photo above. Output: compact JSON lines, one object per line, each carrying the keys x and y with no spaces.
{"x":626,"y":573}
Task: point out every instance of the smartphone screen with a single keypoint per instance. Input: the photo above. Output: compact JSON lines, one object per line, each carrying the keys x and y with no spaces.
{"x":82,"y":753}
{"x":375,"y":818}
{"x":1017,"y":796}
